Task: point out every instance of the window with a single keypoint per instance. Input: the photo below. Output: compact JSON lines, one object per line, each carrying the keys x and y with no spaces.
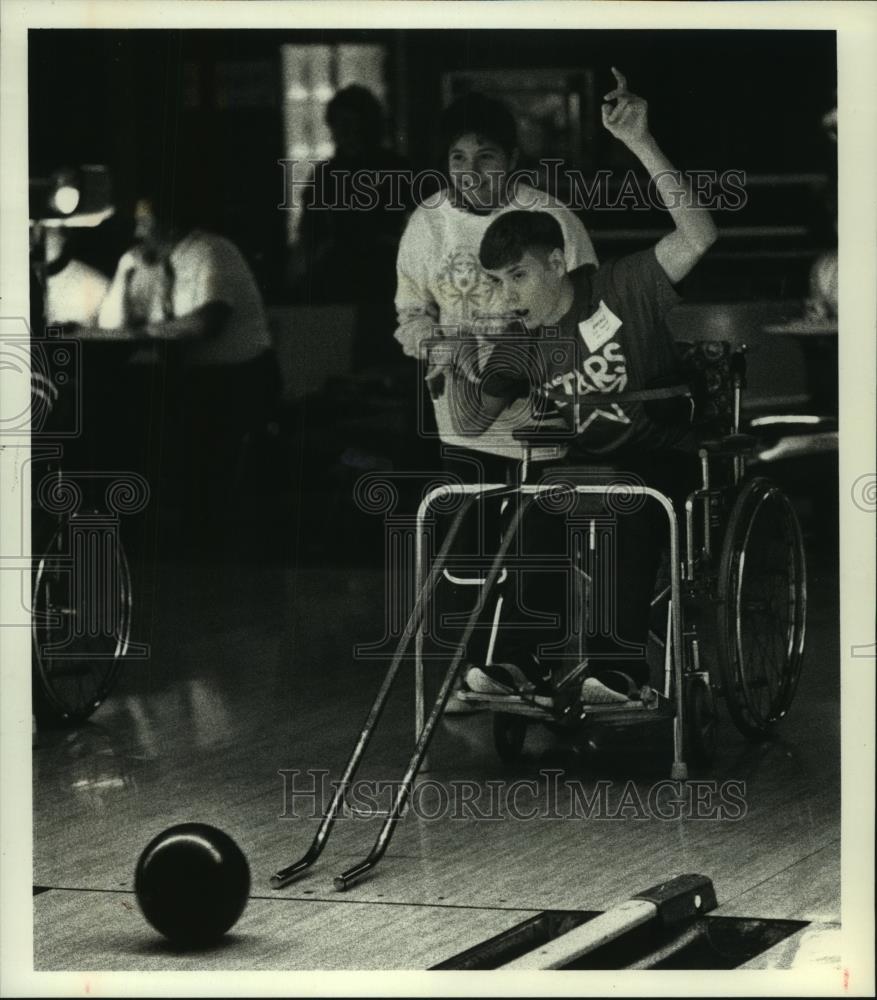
{"x":312,"y":75}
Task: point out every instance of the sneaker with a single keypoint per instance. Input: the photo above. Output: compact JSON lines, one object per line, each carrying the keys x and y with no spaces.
{"x":595,"y":692}
{"x":500,"y":678}
{"x":621,"y":681}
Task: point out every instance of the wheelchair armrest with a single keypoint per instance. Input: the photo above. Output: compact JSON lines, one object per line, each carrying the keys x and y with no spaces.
{"x":790,"y":424}
{"x":728,"y":444}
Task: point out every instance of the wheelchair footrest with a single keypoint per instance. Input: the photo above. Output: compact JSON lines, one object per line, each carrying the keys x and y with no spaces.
{"x":537,"y":706}
{"x":651,"y":707}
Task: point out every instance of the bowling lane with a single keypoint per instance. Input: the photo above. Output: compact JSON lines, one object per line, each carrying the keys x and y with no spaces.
{"x":252,"y":674}
{"x":807,"y":890}
{"x":105,"y":931}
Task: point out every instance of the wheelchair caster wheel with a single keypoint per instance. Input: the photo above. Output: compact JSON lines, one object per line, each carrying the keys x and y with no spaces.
{"x":700,"y":721}
{"x":509,"y":732}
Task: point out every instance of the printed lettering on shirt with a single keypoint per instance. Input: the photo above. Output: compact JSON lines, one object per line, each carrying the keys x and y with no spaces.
{"x":599,"y":375}
{"x":603,"y":372}
{"x":588,"y":415}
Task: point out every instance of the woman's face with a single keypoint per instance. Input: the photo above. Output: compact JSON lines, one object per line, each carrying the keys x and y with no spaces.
{"x":478,"y":168}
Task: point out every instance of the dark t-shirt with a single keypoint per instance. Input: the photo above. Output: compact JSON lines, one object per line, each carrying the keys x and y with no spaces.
{"x":614,"y":339}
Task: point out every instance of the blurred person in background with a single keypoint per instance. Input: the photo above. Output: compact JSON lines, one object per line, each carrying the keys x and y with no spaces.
{"x":189,"y":301}
{"x":822,"y":301}
{"x":352,"y":219}
{"x":73,"y":291}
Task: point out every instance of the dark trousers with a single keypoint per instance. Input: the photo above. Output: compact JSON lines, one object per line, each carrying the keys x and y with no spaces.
{"x":616,"y":540}
{"x":221,"y":407}
{"x":526,"y":614}
{"x":623,"y":538}
{"x":473,"y":549}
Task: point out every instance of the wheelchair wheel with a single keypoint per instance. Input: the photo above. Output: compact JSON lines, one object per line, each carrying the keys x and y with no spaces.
{"x":700,"y":721}
{"x":509,"y":732}
{"x":762,"y":593}
{"x":82,"y":608}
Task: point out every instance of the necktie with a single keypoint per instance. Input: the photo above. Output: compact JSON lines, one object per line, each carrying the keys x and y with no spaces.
{"x":167,"y":296}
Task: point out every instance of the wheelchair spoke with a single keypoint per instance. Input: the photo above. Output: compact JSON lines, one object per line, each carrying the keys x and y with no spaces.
{"x":79,"y":632}
{"x":763,"y":601}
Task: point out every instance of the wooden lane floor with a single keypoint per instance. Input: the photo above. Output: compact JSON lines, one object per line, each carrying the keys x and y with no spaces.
{"x":252,"y":674}
{"x":104,"y":931}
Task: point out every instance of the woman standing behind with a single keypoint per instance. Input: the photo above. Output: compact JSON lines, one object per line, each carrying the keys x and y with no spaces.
{"x":439,"y":278}
{"x":440,"y":282}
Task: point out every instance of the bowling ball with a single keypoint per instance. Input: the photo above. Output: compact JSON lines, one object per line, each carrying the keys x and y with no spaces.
{"x":192,"y":883}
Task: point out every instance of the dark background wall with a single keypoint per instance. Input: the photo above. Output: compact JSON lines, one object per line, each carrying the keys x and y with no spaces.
{"x":742,"y":98}
{"x":160,"y":104}
{"x":149,"y":103}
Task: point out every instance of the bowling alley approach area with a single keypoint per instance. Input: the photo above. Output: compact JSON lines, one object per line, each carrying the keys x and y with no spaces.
{"x":248,"y":707}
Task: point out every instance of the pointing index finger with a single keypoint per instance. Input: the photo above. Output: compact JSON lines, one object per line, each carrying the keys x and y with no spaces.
{"x":620,"y":79}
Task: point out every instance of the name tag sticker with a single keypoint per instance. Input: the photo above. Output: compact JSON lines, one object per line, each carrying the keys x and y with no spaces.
{"x":596,"y":330}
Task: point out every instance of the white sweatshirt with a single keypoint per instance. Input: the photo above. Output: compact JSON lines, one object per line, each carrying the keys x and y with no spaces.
{"x":440,"y":281}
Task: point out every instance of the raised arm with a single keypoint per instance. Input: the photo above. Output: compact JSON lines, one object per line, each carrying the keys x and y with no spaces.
{"x":695,"y":231}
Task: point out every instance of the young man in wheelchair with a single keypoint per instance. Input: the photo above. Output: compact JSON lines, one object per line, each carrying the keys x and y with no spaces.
{"x":606,"y":365}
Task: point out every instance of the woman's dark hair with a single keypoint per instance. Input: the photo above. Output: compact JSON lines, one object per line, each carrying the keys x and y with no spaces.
{"x":482,"y":116}
{"x":512,"y":234}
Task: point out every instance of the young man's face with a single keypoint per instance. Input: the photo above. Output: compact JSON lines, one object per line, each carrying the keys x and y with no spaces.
{"x":536,"y":287}
{"x":478,"y":167}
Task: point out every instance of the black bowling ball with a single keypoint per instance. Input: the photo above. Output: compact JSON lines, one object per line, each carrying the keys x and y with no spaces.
{"x":192,"y":883}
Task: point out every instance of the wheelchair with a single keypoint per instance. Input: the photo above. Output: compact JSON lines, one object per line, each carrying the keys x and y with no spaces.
{"x":81,"y":586}
{"x":81,"y":618}
{"x":734,"y":604}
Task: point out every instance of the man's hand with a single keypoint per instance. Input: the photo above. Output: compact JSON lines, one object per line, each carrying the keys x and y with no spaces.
{"x":628,"y":119}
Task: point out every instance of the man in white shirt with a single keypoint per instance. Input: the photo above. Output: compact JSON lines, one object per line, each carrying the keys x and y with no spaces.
{"x":73,"y":292}
{"x":194,"y":287}
{"x":193,"y":292}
